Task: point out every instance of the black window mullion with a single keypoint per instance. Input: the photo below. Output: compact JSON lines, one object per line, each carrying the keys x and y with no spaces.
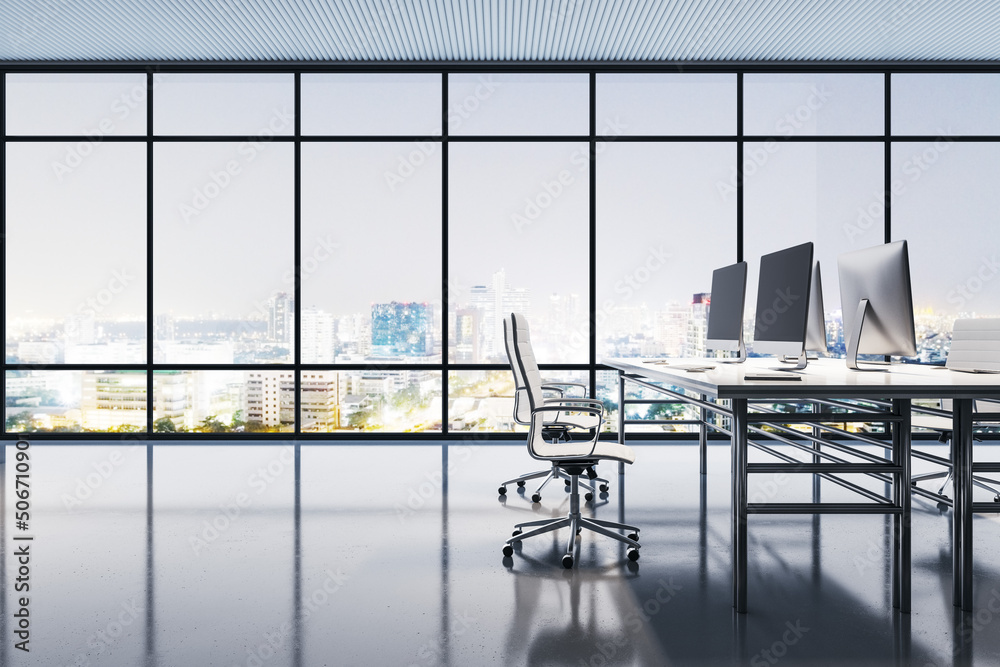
{"x":445,"y":294}
{"x":593,"y":236}
{"x":297,"y":288}
{"x":3,"y":237}
{"x":150,"y":319}
{"x":739,"y":166}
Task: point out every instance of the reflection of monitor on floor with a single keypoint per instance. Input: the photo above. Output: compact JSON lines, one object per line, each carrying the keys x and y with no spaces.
{"x":725,"y":314}
{"x":816,"y":325}
{"x":877,"y":302}
{"x":783,"y":303}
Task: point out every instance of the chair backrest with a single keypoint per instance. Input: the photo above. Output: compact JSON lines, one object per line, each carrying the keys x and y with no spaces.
{"x":975,"y":344}
{"x":524,"y":367}
{"x":522,"y":409}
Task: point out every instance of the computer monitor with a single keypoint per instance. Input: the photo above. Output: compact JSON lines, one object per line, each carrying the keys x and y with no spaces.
{"x":816,"y":325}
{"x":877,"y":302}
{"x":783,"y":303}
{"x":725,"y":314}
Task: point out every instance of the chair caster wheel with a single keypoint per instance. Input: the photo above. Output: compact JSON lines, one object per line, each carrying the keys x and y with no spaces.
{"x":588,"y":496}
{"x":913,"y":484}
{"x":521,"y":483}
{"x":567,"y":561}
{"x":502,"y":490}
{"x":942,"y":507}
{"x":516,"y":532}
{"x":996,"y":498}
{"x":633,"y":536}
{"x":633,"y":554}
{"x":508,"y":551}
{"x":603,"y":488}
{"x":536,"y":498}
{"x":579,"y":530}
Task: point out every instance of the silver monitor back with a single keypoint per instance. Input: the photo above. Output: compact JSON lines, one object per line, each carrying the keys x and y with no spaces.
{"x":875,"y":287}
{"x":816,"y":324}
{"x":725,"y":314}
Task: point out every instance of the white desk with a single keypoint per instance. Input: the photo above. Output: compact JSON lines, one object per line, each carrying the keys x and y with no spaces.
{"x":825,"y":381}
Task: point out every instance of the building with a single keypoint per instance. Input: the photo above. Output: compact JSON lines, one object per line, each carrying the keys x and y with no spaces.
{"x":269,"y":398}
{"x":111,"y":401}
{"x":318,"y":336}
{"x":281,"y":318}
{"x":403,"y":329}
{"x":697,"y":331}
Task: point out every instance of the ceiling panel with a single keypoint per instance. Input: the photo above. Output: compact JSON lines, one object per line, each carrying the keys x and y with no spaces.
{"x":485,"y":30}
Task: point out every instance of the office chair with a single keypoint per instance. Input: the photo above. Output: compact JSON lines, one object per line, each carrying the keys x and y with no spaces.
{"x":975,"y":347}
{"x":553,"y":432}
{"x":574,"y":458}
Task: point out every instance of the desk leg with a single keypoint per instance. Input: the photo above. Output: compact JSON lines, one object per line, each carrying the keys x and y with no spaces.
{"x":703,"y":437}
{"x":739,"y":508}
{"x":961,"y":461}
{"x":621,"y":419}
{"x":901,"y":555}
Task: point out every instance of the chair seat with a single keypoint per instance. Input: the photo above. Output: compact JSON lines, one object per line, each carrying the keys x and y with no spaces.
{"x":605,"y":451}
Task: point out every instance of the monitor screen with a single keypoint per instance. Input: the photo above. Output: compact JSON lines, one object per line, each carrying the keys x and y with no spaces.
{"x":880,"y":277}
{"x":725,"y":314}
{"x":783,"y":300}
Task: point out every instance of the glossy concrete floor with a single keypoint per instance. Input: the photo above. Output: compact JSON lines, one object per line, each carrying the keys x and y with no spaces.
{"x":245,"y":555}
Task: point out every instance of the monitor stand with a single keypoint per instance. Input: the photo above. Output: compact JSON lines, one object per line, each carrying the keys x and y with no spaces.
{"x":855,"y":340}
{"x":799,"y":362}
{"x":740,"y":357}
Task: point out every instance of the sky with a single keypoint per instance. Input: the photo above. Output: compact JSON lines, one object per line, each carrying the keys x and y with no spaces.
{"x":371,"y":211}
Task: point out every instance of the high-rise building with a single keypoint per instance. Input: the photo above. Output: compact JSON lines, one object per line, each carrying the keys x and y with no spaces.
{"x":317,"y":336}
{"x":320,"y":405}
{"x":465,"y":334}
{"x":112,"y":400}
{"x":269,"y":398}
{"x":697,"y":330}
{"x":402,"y":329}
{"x":671,"y":328}
{"x":497,"y":300}
{"x":281,"y":318}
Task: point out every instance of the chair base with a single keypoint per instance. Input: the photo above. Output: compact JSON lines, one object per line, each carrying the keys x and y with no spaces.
{"x":576,"y":523}
{"x":598,"y":484}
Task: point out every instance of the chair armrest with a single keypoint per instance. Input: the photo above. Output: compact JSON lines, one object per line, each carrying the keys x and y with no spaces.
{"x":570,"y":399}
{"x":554,"y":386}
{"x":571,"y":408}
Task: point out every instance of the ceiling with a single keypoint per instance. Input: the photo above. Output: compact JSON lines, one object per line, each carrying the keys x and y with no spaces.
{"x":493,"y":30}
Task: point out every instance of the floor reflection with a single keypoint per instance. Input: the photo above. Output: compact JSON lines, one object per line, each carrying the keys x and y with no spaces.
{"x":282,"y":555}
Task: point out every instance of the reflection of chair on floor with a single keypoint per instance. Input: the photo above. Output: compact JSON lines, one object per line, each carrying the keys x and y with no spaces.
{"x":975,"y":347}
{"x":574,"y":458}
{"x":551,"y":432}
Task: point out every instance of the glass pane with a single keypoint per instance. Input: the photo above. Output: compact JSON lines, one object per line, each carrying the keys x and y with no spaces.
{"x":358,"y":306}
{"x":945,"y":205}
{"x":786,"y":105}
{"x":76,"y":255}
{"x":607,"y":392}
{"x":76,"y":401}
{"x":647,"y":104}
{"x":257,"y":105}
{"x":525,"y":104}
{"x":483,"y":401}
{"x":223,"y":401}
{"x":95,"y":105}
{"x":828,"y":193}
{"x":223,"y":277}
{"x":375,"y":104}
{"x":371,"y":401}
{"x":663,"y":225}
{"x":942,"y":105}
{"x":519,"y":239}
